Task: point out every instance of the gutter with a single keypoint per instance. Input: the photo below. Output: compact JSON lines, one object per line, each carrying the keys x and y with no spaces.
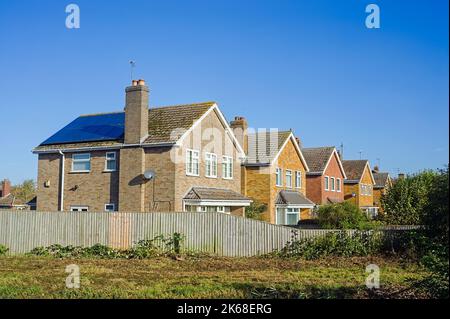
{"x":61,"y":192}
{"x":100,"y":148}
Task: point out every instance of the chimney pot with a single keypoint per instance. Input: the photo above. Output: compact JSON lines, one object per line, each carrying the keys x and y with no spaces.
{"x":134,"y":83}
{"x":141,"y":82}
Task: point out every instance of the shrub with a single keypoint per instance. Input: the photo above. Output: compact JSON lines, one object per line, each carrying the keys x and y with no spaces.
{"x":362,"y":243}
{"x":3,"y":250}
{"x":344,"y":216}
{"x":255,"y":210}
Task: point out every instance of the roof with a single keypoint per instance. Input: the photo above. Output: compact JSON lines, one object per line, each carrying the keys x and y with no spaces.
{"x":98,"y":130}
{"x":285,"y":197}
{"x":381,"y":179}
{"x":354,"y":170}
{"x":8,"y":200}
{"x":263,"y":146}
{"x":318,"y":157}
{"x":211,"y":193}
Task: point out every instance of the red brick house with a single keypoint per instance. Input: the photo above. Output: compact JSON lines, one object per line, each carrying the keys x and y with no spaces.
{"x":326,"y":177}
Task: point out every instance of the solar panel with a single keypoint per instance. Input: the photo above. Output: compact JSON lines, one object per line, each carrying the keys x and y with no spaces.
{"x":102,"y":127}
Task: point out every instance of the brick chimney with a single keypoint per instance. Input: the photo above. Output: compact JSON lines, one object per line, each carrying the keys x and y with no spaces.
{"x":376,"y":169}
{"x":136,"y":112}
{"x":299,"y":142}
{"x":6,"y":188}
{"x":239,"y":126}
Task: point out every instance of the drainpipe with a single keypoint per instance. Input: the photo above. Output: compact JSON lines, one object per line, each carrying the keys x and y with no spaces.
{"x":61,"y":192}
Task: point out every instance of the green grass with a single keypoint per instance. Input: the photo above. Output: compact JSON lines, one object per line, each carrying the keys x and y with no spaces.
{"x":206,"y":277}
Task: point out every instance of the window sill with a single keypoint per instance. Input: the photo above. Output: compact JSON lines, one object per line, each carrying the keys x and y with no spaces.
{"x":79,"y":172}
{"x":210,"y":176}
{"x":193,"y":175}
{"x":109,"y":171}
{"x":228,"y":178}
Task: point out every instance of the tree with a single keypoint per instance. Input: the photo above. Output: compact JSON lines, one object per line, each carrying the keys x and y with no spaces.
{"x":405,"y":201}
{"x":25,"y":191}
{"x":255,"y":210}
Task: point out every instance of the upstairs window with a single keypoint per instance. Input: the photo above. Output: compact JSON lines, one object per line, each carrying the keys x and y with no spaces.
{"x":227,"y":167}
{"x":81,"y":162}
{"x":192,"y":162}
{"x":338,"y":184}
{"x":298,"y":179}
{"x":278,"y":180}
{"x":327,"y":183}
{"x":211,"y":164}
{"x":110,"y":161}
{"x":288,"y":178}
{"x":333,"y":186}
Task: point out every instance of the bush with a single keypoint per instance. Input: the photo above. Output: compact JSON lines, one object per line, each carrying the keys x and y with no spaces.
{"x":255,"y":210}
{"x":362,"y":243}
{"x":3,"y":250}
{"x":344,"y":216}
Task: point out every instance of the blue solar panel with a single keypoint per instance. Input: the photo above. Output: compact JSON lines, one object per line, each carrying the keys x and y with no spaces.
{"x":102,"y":127}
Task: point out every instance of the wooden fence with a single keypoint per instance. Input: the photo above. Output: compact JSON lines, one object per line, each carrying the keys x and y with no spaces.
{"x":216,"y":233}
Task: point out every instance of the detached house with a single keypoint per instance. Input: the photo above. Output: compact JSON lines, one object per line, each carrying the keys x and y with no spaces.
{"x":382,"y":183}
{"x":358,"y":186}
{"x":274,"y":173}
{"x":326,"y":175}
{"x":172,"y":158}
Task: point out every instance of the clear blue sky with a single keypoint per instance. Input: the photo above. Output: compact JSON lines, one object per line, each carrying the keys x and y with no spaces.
{"x":311,"y":66}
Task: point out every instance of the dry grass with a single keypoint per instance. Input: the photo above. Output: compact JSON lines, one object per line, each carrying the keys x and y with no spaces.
{"x":206,"y":277}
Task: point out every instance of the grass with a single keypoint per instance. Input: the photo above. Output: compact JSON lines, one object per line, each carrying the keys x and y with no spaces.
{"x":206,"y":277}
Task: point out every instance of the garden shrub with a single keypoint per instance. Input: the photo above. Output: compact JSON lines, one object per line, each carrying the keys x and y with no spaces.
{"x":344,"y":216}
{"x":3,"y":250}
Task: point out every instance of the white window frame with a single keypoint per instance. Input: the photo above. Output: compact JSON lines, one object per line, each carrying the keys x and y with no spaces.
{"x":113,"y":207}
{"x":288,"y":178}
{"x":227,"y":167}
{"x":338,"y":185}
{"x":78,"y":208}
{"x":195,"y":155}
{"x":327,"y":183}
{"x":333,"y":184}
{"x":210,"y":165}
{"x":298,"y":179}
{"x":109,"y":160}
{"x":278,"y":177}
{"x":81,"y":160}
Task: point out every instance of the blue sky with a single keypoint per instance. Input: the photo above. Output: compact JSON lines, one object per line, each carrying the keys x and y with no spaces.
{"x":311,"y":66}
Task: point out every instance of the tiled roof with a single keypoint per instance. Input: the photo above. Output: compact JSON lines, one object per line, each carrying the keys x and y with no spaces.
{"x":354,"y":169}
{"x":162,"y":122}
{"x":292,"y":198}
{"x":380,"y":178}
{"x":211,"y":193}
{"x":8,"y":200}
{"x":317,"y":157}
{"x":264,"y":146}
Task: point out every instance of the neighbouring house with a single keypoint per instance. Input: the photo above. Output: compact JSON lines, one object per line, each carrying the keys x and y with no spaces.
{"x":358,"y":186}
{"x":382,"y":183}
{"x":274,"y":173}
{"x":9,"y":200}
{"x":172,"y":158}
{"x":326,"y":175}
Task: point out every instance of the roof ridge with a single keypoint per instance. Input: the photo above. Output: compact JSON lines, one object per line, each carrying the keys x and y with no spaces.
{"x":317,"y":147}
{"x":188,"y":104}
{"x":101,"y":113}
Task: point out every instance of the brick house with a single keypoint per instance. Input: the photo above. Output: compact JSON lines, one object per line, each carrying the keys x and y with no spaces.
{"x":8,"y":200}
{"x":358,"y":186}
{"x":274,"y":173}
{"x":326,"y":175}
{"x":382,"y":183}
{"x":172,"y":158}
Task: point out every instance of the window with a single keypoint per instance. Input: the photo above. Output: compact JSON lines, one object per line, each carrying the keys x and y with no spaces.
{"x":78,"y":208}
{"x":211,"y":164}
{"x":81,"y":162}
{"x":110,"y":161}
{"x":287,"y":216}
{"x":278,"y":180}
{"x":192,"y":163}
{"x":289,"y":178}
{"x":333,"y":186}
{"x":227,"y":167}
{"x":327,"y":182}
{"x":110,"y":207}
{"x":298,"y":179}
{"x":338,"y":184}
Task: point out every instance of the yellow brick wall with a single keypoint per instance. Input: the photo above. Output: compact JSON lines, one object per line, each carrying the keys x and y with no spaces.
{"x":366,"y":200}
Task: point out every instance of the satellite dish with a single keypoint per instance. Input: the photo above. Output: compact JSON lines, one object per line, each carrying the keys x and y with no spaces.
{"x":149,"y":174}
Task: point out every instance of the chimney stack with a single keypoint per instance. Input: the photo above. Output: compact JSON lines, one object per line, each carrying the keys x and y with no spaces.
{"x":6,"y":188}
{"x":239,"y":126}
{"x":299,"y":142}
{"x":401,"y":175}
{"x":376,"y":169}
{"x":136,"y":112}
